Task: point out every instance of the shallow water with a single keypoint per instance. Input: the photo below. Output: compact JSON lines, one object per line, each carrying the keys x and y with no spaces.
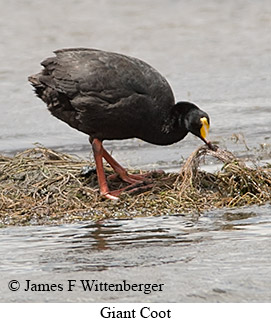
{"x":214,"y":53}
{"x":222,"y":256}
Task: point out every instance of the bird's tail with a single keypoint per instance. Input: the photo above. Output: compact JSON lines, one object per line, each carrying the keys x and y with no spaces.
{"x":35,"y":82}
{"x":34,"y":79}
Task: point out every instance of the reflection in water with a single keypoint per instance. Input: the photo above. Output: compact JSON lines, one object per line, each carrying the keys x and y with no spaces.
{"x":196,"y":257}
{"x":236,"y":216}
{"x":113,"y":234}
{"x":122,"y":242}
{"x":97,"y":234}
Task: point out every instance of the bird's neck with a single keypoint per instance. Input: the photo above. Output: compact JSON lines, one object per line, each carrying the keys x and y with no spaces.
{"x":172,"y":121}
{"x":173,"y":127}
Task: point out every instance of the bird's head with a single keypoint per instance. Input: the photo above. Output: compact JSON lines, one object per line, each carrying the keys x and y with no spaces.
{"x":194,"y":120}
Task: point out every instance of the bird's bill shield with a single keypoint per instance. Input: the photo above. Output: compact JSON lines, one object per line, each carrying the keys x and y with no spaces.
{"x":204,"y":130}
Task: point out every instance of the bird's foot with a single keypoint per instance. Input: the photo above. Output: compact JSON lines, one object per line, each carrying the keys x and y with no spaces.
{"x":139,"y":183}
{"x":136,"y":178}
{"x":110,"y":196}
{"x":137,"y":189}
{"x":130,"y":189}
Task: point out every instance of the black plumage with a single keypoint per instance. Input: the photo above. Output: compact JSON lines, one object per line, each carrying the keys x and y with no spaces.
{"x":112,"y":96}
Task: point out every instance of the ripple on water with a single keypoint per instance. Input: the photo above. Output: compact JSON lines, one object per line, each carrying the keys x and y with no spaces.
{"x":125,"y":242}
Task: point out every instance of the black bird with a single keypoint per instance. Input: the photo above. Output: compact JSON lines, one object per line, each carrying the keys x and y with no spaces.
{"x":112,"y":96}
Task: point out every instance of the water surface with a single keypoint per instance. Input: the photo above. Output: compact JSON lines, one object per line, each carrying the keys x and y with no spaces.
{"x":222,"y":256}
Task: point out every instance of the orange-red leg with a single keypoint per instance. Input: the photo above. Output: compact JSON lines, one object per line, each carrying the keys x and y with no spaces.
{"x":128,"y":178}
{"x":98,"y":156}
{"x":133,"y":179}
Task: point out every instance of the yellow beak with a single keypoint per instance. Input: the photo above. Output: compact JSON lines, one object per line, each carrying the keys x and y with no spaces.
{"x":204,"y":130}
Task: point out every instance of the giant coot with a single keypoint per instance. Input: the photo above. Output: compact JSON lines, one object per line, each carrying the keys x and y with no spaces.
{"x":112,"y":96}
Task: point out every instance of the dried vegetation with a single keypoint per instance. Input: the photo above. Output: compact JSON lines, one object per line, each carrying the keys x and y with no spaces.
{"x":42,"y":186}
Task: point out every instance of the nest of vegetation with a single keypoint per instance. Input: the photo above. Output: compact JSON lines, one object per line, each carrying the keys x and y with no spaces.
{"x":42,"y":186}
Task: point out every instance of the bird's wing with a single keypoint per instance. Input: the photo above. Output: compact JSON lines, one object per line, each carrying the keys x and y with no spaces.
{"x":89,"y":73}
{"x":104,"y":75}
